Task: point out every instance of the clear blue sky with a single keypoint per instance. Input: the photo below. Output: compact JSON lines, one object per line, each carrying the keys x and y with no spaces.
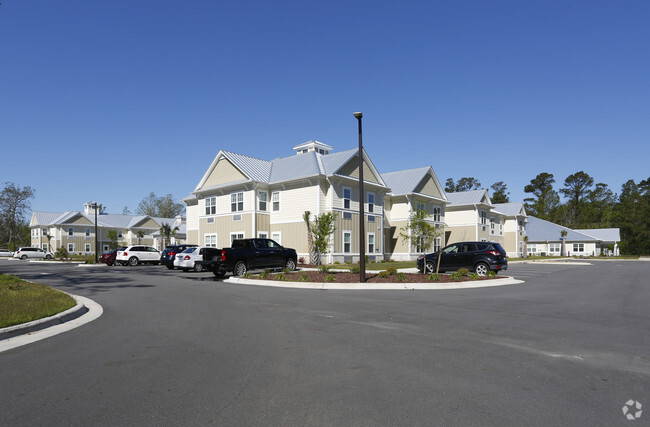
{"x":112,"y":100}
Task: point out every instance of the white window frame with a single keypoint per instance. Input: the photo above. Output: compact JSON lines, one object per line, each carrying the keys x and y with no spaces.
{"x":483,"y":215}
{"x":237,"y":235}
{"x":210,"y":240}
{"x":87,"y":232}
{"x":555,"y":248}
{"x":347,"y":201}
{"x":119,"y":234}
{"x":277,"y":236}
{"x":371,"y":246}
{"x":70,"y":231}
{"x":44,"y":232}
{"x":578,"y":247}
{"x":275,"y":201}
{"x":262,"y":234}
{"x":87,"y":247}
{"x":237,"y":201}
{"x":436,"y":214}
{"x":211,"y":205}
{"x":264,"y":200}
{"x":371,"y":205}
{"x":70,"y":247}
{"x":347,"y":233}
{"x":437,"y":244}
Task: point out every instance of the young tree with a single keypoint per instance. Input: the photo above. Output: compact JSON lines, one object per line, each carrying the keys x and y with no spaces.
{"x":321,"y":228}
{"x":576,"y":188}
{"x":14,"y":202}
{"x":162,"y":207}
{"x":500,"y":192}
{"x":546,"y":199}
{"x":166,"y":231}
{"x":418,"y":231}
{"x":112,"y":237}
{"x":310,"y":238}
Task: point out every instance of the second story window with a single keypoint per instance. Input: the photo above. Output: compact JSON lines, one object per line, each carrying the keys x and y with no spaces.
{"x":483,"y":217}
{"x":237,"y":202}
{"x":87,"y":232}
{"x":211,"y":206}
{"x":436,"y":214}
{"x":262,"y":199}
{"x":70,"y":231}
{"x":347,"y":195}
{"x":275,"y":199}
{"x":371,"y":202}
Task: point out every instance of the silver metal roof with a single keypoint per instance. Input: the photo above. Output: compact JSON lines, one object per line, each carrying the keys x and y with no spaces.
{"x":539,"y":230}
{"x":603,"y":234}
{"x":510,"y":209}
{"x":468,"y":197}
{"x":404,"y":182}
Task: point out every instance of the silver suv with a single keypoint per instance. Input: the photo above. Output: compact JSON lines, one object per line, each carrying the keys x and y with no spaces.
{"x":24,"y":253}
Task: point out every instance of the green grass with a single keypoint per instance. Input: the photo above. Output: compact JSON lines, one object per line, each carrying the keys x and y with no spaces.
{"x":22,"y":301}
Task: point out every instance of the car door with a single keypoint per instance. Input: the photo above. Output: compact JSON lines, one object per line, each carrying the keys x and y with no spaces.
{"x":152,"y":254}
{"x":275,"y":254}
{"x":261,"y":254}
{"x":449,"y":257}
{"x":465,"y":257}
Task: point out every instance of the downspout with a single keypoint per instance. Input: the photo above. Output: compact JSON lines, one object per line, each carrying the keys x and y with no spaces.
{"x":408,"y":252}
{"x":332,"y":236}
{"x":254,"y":222}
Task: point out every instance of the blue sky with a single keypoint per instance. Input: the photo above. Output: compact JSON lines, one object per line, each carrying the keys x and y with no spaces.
{"x":112,"y":100}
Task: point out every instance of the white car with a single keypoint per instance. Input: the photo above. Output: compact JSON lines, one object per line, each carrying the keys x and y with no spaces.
{"x":191,"y":258}
{"x":137,"y":254}
{"x":6,"y":252}
{"x":25,"y":253}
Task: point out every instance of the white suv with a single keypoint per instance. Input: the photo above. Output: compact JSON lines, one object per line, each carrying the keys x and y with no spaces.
{"x":24,"y":253}
{"x":136,"y":254}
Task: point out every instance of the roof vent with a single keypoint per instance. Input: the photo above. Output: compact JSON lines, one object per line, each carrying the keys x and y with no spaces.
{"x":313,"y":145}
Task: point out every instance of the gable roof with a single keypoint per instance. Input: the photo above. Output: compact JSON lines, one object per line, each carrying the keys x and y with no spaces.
{"x":406,"y":181}
{"x":510,"y":209}
{"x":603,"y":234}
{"x":539,"y":230}
{"x":473,"y":197}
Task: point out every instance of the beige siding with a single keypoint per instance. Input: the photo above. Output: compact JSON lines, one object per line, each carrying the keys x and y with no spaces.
{"x":293,"y":235}
{"x":263,"y":223}
{"x":428,"y":187}
{"x":352,"y":225}
{"x":294,"y":201}
{"x":81,"y":221}
{"x":151,"y":224}
{"x":223,"y":226}
{"x":352,"y":169}
{"x":223,"y":173}
{"x":193,"y":237}
{"x":461,"y":234}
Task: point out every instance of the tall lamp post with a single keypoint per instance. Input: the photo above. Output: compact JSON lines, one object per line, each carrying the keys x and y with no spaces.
{"x":362,"y":232}
{"x":96,"y":242}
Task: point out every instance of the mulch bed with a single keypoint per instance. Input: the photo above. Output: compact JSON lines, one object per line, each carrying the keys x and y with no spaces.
{"x":341,"y":277}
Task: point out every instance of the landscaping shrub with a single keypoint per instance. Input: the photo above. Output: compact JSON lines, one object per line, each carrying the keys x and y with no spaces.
{"x":265,"y":274}
{"x":392,"y":271}
{"x":474,"y":276}
{"x":330,"y":278}
{"x":383,"y":274}
{"x":323,"y":268}
{"x":456,"y":276}
{"x":304,"y":277}
{"x":463,"y":271}
{"x":281,"y":277}
{"x":354,"y":269}
{"x":491,"y":273}
{"x":435,"y":277}
{"x":401,"y":277}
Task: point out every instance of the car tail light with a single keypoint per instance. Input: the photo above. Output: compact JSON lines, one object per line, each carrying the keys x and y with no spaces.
{"x":495,"y":253}
{"x":171,"y":254}
{"x":124,"y":254}
{"x":223,"y":255}
{"x":187,"y":258}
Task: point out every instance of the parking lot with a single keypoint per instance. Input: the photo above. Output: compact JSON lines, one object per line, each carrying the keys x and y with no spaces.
{"x":569,"y":345}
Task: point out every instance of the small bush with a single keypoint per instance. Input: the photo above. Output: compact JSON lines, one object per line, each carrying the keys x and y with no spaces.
{"x":247,"y":275}
{"x":337,"y":262}
{"x":435,"y":277}
{"x":330,"y":278}
{"x":463,"y":272}
{"x":392,"y":271}
{"x":265,"y":274}
{"x":354,"y":269}
{"x":286,"y":270}
{"x":323,"y":268}
{"x":304,"y":277}
{"x":456,"y":276}
{"x":401,"y":277}
{"x":383,"y":274}
{"x":281,"y":277}
{"x":491,"y":273}
{"x":348,"y":262}
{"x":62,"y":253}
{"x":474,"y":276}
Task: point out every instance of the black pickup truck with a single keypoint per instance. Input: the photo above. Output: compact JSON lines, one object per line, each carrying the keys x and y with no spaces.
{"x":249,"y":254}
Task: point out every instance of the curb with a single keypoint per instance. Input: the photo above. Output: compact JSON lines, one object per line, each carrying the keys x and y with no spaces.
{"x":376,"y":286}
{"x":46,"y":322}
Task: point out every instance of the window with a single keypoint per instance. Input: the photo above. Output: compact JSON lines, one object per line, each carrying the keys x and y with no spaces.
{"x":371,"y":202}
{"x":211,"y":206}
{"x":119,"y":234}
{"x":531,"y":248}
{"x":492,"y":225}
{"x":87,"y":247}
{"x":210,"y":240}
{"x":371,"y":218}
{"x":70,"y":247}
{"x":237,"y":202}
{"x":555,"y":247}
{"x":578,"y":247}
{"x":347,"y":215}
{"x":87,"y":232}
{"x":275,"y":199}
{"x":44,"y":246}
{"x":347,"y":242}
{"x":235,"y":236}
{"x":210,"y":220}
{"x":262,"y":234}
{"x":436,"y":214}
{"x":262,"y":198}
{"x":70,"y":231}
{"x":437,"y":243}
{"x":277,"y":237}
{"x":371,"y":243}
{"x":420,"y":206}
{"x":483,"y":217}
{"x":44,"y":231}
{"x":347,"y":195}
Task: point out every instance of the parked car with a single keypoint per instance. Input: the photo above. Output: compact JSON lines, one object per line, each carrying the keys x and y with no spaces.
{"x":6,"y":252}
{"x":480,"y":257}
{"x":108,"y":258}
{"x":248,"y":254}
{"x":196,"y":258}
{"x":168,"y":255}
{"x":137,"y":254}
{"x":25,"y":253}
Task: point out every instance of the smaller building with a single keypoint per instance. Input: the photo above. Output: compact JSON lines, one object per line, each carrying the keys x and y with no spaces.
{"x":546,"y":239}
{"x":75,"y":230}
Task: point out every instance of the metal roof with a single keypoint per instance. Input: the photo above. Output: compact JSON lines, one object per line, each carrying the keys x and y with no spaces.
{"x":404,"y":182}
{"x":539,"y":230}
{"x":603,"y":234}
{"x":510,"y":209}
{"x":468,"y":197}
{"x":255,"y":169}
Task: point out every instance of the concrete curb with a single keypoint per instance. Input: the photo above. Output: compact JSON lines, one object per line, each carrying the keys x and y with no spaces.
{"x":36,"y":325}
{"x":376,"y":286}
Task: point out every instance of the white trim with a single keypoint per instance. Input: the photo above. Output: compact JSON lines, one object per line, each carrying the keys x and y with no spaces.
{"x":344,"y":232}
{"x":209,"y":245}
{"x":277,"y":233}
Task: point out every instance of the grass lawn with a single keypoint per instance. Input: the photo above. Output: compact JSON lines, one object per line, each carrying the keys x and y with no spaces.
{"x":22,"y":301}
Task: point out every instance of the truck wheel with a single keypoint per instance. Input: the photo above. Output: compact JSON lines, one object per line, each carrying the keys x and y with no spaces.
{"x":198,"y":267}
{"x":240,"y":268}
{"x":290,"y":264}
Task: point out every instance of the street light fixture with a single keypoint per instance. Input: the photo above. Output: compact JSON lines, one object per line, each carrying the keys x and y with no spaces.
{"x":362,"y":232}
{"x":96,"y":242}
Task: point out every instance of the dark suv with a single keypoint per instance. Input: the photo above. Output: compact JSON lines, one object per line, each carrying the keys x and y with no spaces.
{"x":480,"y":257}
{"x":167,"y":257}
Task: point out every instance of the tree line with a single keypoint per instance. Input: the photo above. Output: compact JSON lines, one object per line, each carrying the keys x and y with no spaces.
{"x":587,"y":205}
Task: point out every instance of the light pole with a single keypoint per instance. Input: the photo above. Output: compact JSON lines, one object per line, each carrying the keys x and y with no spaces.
{"x":96,"y":242}
{"x":362,"y":232}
